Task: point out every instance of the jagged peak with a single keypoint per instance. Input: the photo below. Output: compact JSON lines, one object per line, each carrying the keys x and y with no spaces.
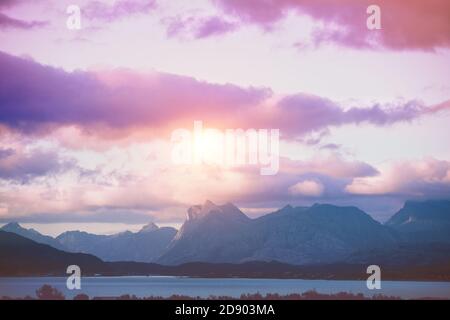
{"x":149,"y":227}
{"x":199,"y":211}
{"x":12,"y":225}
{"x":209,"y":207}
{"x":209,"y":203}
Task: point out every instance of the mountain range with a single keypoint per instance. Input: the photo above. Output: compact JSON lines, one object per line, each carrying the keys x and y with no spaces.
{"x":143,"y":246}
{"x":22,"y":257}
{"x":317,"y":235}
{"x":32,"y":234}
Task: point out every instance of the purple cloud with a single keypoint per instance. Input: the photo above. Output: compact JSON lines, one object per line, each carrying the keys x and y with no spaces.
{"x":5,"y":153}
{"x":9,"y":3}
{"x":98,"y":10}
{"x":35,"y":97}
{"x":8,"y":22}
{"x":301,"y":113}
{"x":21,"y":167}
{"x":330,"y":146}
{"x":198,"y":27}
{"x":415,"y":25}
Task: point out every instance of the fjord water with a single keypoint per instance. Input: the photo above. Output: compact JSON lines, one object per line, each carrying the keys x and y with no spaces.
{"x":233,"y":287}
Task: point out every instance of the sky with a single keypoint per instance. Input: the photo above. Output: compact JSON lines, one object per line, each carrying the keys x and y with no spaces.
{"x":87,"y":115}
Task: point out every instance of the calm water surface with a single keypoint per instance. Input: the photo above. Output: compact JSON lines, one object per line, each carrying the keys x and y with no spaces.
{"x":166,"y":286}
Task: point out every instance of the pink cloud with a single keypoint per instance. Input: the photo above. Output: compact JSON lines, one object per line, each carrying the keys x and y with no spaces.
{"x":7,"y":22}
{"x":157,"y":184}
{"x":414,"y":24}
{"x":427,"y":178}
{"x":309,"y":188}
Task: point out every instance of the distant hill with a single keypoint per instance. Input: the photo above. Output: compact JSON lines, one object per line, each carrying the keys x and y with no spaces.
{"x":32,"y":234}
{"x":423,"y":222}
{"x":143,"y":246}
{"x":20,"y":256}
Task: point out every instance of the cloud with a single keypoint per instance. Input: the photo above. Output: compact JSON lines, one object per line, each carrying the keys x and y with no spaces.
{"x":8,"y":22}
{"x":309,"y":188}
{"x":5,"y":153}
{"x":112,"y":104}
{"x":198,"y":27}
{"x":415,"y":24}
{"x":10,"y":3}
{"x":322,"y":177}
{"x":443,"y":106}
{"x":332,"y":165}
{"x":330,"y":146}
{"x":99,"y":215}
{"x":142,"y":179}
{"x":21,"y":166}
{"x":33,"y":96}
{"x":427,"y":178}
{"x":99,"y":10}
{"x":302,"y":113}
